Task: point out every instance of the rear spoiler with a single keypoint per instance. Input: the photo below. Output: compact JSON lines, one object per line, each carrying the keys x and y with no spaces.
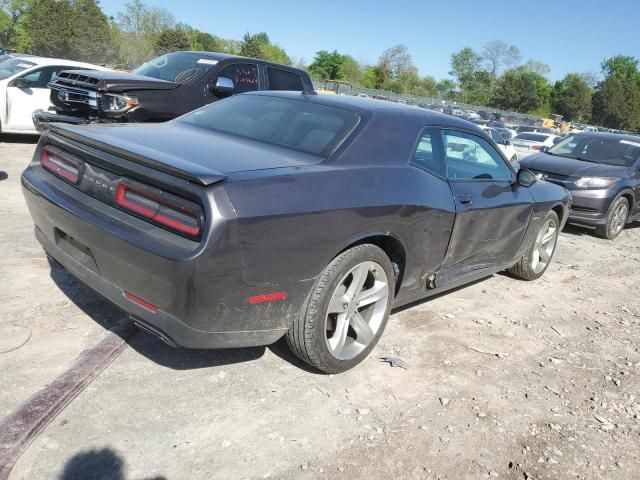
{"x":196,"y":174}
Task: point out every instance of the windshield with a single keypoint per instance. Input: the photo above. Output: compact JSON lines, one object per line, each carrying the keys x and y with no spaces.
{"x":181,"y":67}
{"x":599,"y":149}
{"x":294,"y":124}
{"x":12,"y":66}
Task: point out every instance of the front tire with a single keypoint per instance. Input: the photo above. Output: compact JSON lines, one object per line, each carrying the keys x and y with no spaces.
{"x":346,"y":312}
{"x":616,"y":219}
{"x":539,"y":254}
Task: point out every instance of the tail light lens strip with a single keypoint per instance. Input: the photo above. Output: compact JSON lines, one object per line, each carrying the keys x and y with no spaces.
{"x":160,"y":207}
{"x":61,"y":164}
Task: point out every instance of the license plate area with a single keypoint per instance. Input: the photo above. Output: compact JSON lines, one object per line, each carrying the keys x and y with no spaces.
{"x":75,"y":249}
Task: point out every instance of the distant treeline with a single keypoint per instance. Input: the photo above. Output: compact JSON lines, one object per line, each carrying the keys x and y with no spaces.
{"x":495,"y":76}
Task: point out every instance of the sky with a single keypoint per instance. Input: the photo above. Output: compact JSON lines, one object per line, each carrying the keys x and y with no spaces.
{"x":568,"y":35}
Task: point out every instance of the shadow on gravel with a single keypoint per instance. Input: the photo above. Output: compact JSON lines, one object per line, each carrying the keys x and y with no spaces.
{"x":3,"y":175}
{"x":578,"y":231}
{"x":102,"y":464}
{"x":108,"y":316}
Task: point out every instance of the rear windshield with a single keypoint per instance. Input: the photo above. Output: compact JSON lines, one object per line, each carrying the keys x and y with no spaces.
{"x":181,"y":67}
{"x":12,"y":66}
{"x":532,"y":137}
{"x":294,"y":124}
{"x":599,"y":149}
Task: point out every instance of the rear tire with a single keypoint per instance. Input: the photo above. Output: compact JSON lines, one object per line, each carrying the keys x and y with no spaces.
{"x":346,"y":311}
{"x":616,"y":220}
{"x":539,"y":254}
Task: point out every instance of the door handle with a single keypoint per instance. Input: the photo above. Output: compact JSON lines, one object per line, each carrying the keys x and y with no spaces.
{"x":465,"y":199}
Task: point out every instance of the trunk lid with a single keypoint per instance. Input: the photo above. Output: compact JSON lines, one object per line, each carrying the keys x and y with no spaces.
{"x":196,"y":154}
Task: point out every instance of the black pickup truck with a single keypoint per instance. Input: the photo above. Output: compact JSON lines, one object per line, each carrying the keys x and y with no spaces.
{"x":163,"y":88}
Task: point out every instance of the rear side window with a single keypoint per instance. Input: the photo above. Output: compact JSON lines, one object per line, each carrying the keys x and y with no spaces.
{"x":428,"y":155}
{"x":295,"y":124}
{"x":243,"y":75}
{"x":473,"y":158}
{"x":283,"y":80}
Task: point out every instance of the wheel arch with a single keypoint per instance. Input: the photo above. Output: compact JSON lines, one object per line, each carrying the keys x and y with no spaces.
{"x":389,"y":243}
{"x":629,"y":195}
{"x":562,"y":212}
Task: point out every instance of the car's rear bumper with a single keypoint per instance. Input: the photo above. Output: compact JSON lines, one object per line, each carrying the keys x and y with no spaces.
{"x":198,"y":297}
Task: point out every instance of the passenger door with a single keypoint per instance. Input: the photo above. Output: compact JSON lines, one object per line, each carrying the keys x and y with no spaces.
{"x":32,"y":95}
{"x":244,"y":77}
{"x":492,"y":210}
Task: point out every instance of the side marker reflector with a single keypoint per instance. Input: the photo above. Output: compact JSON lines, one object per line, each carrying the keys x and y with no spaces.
{"x":268,"y":297}
{"x":141,"y":302}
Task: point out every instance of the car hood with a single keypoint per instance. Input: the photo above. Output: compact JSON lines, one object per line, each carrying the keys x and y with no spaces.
{"x":570,"y":167}
{"x":195,"y":153}
{"x":112,"y":81}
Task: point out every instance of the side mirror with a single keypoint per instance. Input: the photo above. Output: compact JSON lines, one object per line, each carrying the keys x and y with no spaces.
{"x":21,"y":83}
{"x":224,"y":87}
{"x":525,"y":178}
{"x":544,"y":149}
{"x":507,"y":143}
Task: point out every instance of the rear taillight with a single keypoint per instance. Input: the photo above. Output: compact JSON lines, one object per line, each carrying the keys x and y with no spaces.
{"x":536,"y":147}
{"x":160,"y":207}
{"x":60,"y":164}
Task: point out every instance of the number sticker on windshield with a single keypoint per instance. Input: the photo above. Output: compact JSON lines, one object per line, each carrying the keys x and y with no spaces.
{"x":208,"y":61}
{"x":627,"y":142}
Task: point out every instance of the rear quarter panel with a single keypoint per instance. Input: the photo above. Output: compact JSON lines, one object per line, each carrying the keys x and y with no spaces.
{"x":291,"y":225}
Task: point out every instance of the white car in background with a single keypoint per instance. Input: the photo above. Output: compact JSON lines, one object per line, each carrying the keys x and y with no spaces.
{"x":528,"y":143}
{"x":23,"y":89}
{"x":504,"y":145}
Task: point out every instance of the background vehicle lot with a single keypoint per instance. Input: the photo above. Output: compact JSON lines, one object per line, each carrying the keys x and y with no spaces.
{"x":559,"y":400}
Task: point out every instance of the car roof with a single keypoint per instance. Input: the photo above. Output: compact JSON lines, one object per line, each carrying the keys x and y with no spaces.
{"x":44,"y":61}
{"x":379,"y":108}
{"x":607,"y":135}
{"x":225,"y":56}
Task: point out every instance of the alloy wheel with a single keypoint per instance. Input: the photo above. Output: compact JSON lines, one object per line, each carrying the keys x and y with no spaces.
{"x":544,"y":246}
{"x":356,"y":310}
{"x":619,"y":219}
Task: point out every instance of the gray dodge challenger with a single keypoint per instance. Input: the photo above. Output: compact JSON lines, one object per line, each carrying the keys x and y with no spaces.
{"x":274,"y":214}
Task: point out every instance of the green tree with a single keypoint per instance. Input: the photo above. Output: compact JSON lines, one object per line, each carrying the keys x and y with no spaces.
{"x":535,"y":66}
{"x":623,"y":66}
{"x":428,"y":87}
{"x":274,"y":53}
{"x":90,"y":32}
{"x":251,"y":46}
{"x":48,"y":24}
{"x":520,"y":91}
{"x":171,"y":40}
{"x":446,"y":88}
{"x":464,"y":65}
{"x":327,"y":65}
{"x":352,"y":71}
{"x":139,"y":26}
{"x":616,"y":103}
{"x":571,"y":98}
{"x":11,"y":14}
{"x":370,"y":77}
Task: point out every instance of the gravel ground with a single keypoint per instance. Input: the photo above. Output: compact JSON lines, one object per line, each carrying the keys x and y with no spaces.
{"x":505,"y":378}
